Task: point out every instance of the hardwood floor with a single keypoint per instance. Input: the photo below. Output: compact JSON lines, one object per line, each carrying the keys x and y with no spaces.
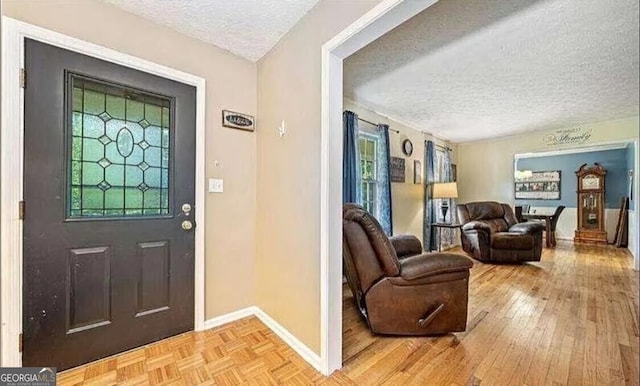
{"x":570,"y":319}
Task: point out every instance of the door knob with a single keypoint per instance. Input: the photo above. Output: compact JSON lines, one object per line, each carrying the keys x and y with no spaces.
{"x":187,"y":225}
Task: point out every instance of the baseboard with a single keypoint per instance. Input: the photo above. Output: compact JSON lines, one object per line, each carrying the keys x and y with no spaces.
{"x":296,"y":345}
{"x":302,"y":349}
{"x":230,"y":317}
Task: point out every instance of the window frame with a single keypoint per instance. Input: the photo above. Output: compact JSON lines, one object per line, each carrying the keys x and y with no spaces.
{"x":369,"y":195}
{"x":127,"y":92}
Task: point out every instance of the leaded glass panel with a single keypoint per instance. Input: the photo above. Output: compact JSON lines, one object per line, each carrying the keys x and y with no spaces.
{"x":119,"y":151}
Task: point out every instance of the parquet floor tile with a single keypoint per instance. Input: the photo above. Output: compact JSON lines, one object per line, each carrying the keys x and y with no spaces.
{"x":571,"y":319}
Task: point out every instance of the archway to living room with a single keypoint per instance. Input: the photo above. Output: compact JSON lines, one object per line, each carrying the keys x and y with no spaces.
{"x":608,"y":213}
{"x":363,"y":96}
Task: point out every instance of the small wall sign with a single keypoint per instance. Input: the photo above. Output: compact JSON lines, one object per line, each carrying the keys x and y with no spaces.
{"x":397,"y":169}
{"x":575,"y":136}
{"x":237,"y":120}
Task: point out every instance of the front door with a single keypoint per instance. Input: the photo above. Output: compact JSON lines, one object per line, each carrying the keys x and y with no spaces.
{"x":109,"y":175}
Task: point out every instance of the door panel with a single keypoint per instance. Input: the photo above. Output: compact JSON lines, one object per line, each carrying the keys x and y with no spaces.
{"x":88,"y":288}
{"x":153,"y":277}
{"x":109,"y":161}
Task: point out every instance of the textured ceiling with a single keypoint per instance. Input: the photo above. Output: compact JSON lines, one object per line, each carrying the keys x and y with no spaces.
{"x":471,"y":70}
{"x":248,"y":28}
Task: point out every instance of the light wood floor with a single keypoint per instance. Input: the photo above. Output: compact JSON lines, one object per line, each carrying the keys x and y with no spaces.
{"x":570,"y":319}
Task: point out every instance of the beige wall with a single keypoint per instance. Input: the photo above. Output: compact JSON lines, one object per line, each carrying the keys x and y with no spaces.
{"x":231,"y":83}
{"x":289,"y":89}
{"x":407,"y":198}
{"x":485,"y":169}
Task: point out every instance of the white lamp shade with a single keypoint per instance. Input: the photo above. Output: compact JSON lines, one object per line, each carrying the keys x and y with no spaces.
{"x":445,"y":190}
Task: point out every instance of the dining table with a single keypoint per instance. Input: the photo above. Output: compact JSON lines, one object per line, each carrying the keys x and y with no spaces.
{"x":547,"y":218}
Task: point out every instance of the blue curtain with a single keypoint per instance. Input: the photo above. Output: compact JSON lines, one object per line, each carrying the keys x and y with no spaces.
{"x":430,"y":242}
{"x":351,"y":176}
{"x":384,"y":188}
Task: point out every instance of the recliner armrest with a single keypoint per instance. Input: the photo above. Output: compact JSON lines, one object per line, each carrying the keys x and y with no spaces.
{"x":406,"y":245}
{"x":430,"y":264}
{"x":528,"y":227}
{"x":476,"y":225}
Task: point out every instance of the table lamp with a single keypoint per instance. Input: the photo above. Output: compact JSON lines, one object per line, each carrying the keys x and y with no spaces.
{"x":445,"y":190}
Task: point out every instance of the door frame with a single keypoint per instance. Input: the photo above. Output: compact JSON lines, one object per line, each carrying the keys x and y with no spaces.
{"x":14,"y":33}
{"x":381,"y":19}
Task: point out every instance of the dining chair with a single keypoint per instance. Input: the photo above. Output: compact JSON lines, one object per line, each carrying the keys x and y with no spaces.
{"x":520,"y":210}
{"x":518,"y":213}
{"x":554,"y":223}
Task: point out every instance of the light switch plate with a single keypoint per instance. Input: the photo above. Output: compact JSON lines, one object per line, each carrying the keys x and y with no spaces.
{"x":216,"y":185}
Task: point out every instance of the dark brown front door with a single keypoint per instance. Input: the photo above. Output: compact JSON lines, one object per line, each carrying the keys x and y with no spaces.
{"x":109,"y":166}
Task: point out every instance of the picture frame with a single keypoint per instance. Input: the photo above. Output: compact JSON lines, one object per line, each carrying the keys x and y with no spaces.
{"x":397,"y":169}
{"x":540,"y":185}
{"x":417,"y":172}
{"x":235,"y":120}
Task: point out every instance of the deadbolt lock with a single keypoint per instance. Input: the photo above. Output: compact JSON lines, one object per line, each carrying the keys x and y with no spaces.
{"x":186,"y":208}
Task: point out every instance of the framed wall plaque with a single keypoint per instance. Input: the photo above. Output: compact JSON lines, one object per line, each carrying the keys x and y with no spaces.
{"x":240,"y":121}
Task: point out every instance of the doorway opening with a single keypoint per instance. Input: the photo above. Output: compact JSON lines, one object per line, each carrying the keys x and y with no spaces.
{"x":363,"y":32}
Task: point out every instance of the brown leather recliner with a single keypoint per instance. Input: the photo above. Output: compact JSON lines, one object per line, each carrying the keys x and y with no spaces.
{"x":491,"y":233}
{"x":398,"y":289}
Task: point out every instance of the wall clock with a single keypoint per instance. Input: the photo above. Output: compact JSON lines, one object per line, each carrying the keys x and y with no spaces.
{"x":590,"y":182}
{"x":407,"y":147}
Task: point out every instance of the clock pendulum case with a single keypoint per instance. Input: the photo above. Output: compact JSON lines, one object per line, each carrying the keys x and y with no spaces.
{"x":591,"y":205}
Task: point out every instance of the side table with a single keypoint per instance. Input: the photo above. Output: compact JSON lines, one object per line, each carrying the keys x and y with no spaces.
{"x":444,"y":225}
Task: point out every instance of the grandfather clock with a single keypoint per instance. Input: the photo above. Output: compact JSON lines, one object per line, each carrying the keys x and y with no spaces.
{"x":591,"y":205}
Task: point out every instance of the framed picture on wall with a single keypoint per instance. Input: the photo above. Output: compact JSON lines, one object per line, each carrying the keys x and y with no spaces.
{"x":417,"y":172}
{"x":397,"y":169}
{"x":538,"y":186}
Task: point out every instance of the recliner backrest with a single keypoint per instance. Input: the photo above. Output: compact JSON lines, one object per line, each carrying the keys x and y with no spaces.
{"x":499,"y":217}
{"x":372,"y":254}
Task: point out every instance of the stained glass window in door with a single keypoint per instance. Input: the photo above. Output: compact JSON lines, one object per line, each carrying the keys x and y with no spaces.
{"x":119,"y":151}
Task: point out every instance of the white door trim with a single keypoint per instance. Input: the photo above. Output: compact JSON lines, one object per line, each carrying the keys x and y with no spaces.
{"x":11,"y":168}
{"x":381,"y":19}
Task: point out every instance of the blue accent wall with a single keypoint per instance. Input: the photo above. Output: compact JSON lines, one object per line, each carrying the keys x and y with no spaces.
{"x":631,"y":159}
{"x":614,"y":161}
